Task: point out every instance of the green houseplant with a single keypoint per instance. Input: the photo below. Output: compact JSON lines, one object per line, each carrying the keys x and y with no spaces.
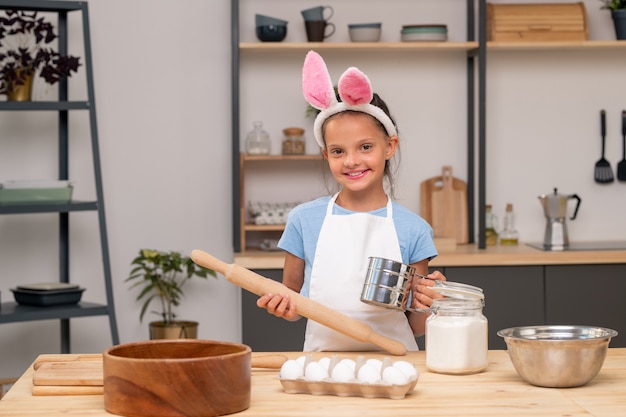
{"x":161,"y":276}
{"x":613,"y":4}
{"x":24,"y":50}
{"x":618,"y":14}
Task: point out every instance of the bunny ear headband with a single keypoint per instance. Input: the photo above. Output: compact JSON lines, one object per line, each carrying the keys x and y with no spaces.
{"x":354,"y":89}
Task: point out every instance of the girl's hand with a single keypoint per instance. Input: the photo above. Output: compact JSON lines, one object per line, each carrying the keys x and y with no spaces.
{"x":423,"y":294}
{"x":279,"y":305}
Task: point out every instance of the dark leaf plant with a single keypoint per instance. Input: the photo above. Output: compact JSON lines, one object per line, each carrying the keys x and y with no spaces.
{"x":613,"y":4}
{"x":24,"y":50}
{"x":162,"y":275}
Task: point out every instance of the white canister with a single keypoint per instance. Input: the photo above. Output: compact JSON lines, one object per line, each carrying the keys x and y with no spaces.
{"x":456,"y":336}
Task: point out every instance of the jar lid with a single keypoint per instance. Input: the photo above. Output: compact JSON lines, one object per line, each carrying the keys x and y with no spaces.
{"x":293,"y":131}
{"x":459,"y":290}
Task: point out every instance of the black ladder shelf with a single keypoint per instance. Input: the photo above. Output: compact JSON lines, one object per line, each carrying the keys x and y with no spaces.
{"x":10,"y":311}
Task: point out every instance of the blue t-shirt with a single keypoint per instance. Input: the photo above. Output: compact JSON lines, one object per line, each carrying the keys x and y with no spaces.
{"x":304,"y":223}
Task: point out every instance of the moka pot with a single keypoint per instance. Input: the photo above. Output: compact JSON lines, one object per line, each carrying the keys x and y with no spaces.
{"x":555,"y":209}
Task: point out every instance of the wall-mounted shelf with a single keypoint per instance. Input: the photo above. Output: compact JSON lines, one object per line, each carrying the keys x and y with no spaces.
{"x":562,"y":45}
{"x":351,"y":46}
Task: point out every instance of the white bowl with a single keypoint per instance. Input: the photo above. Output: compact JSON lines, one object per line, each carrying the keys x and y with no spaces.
{"x":364,"y":32}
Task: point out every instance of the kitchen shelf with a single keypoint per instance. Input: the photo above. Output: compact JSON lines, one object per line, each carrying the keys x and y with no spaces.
{"x":245,"y":228}
{"x":263,"y":227}
{"x":11,"y":311}
{"x":307,"y":157}
{"x":356,"y":46}
{"x":553,"y":45}
{"x":473,"y":48}
{"x":14,"y":312}
{"x":48,"y":208}
{"x":44,"y":105}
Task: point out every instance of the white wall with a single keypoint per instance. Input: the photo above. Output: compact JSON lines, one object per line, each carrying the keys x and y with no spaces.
{"x":162,"y":72}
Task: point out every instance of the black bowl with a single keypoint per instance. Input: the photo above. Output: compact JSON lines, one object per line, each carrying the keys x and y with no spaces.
{"x":271,"y":33}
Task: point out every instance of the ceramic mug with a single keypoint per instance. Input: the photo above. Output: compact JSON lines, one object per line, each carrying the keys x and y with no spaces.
{"x":316,"y":30}
{"x":317,"y":13}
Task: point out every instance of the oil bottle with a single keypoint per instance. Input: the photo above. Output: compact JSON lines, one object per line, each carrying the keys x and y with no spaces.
{"x":509,"y":235}
{"x":491,"y":227}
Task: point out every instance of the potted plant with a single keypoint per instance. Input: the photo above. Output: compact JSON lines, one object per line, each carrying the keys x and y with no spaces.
{"x":23,"y":51}
{"x":161,"y":276}
{"x":618,"y":14}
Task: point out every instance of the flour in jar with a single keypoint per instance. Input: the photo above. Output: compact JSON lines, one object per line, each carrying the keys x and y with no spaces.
{"x":456,"y":338}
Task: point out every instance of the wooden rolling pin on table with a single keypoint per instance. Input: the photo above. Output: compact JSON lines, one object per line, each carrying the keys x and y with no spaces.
{"x":497,"y":392}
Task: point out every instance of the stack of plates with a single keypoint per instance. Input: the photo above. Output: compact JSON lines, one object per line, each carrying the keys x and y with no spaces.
{"x":47,"y":293}
{"x":411,"y":33}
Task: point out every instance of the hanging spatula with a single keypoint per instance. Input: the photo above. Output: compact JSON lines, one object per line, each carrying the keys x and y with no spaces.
{"x":621,"y":166}
{"x":603,"y":172}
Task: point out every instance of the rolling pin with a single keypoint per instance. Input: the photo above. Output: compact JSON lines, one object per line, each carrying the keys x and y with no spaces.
{"x":259,"y":285}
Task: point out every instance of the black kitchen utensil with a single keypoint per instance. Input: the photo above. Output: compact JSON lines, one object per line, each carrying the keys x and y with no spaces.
{"x":603,"y":172}
{"x":621,"y":166}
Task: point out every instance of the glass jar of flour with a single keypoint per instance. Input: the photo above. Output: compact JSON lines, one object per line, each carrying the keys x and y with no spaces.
{"x":456,"y":335}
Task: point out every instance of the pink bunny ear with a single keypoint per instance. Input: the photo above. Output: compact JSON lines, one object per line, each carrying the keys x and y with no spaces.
{"x":316,"y":83}
{"x":354,"y":87}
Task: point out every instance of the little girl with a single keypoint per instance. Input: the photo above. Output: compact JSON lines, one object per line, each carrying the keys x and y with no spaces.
{"x":328,"y":241}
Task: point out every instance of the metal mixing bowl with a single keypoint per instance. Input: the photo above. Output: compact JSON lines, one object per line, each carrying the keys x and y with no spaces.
{"x":557,"y":356}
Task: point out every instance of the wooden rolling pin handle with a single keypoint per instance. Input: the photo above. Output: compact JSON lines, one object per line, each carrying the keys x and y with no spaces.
{"x":306,"y":307}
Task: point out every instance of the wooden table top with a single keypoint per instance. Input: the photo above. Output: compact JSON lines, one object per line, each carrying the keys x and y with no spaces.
{"x":498,"y":391}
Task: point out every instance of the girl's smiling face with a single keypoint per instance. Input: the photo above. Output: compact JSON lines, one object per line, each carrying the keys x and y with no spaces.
{"x":357,"y":150}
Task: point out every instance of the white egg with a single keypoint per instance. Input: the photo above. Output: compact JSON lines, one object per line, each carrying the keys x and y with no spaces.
{"x":368,"y":374}
{"x":291,"y":369}
{"x":315,"y":372}
{"x":301,"y":360}
{"x":342,"y":373}
{"x":325,"y":362}
{"x":407,"y":368}
{"x":350,"y":363}
{"x":394,"y":376}
{"x":376,"y":363}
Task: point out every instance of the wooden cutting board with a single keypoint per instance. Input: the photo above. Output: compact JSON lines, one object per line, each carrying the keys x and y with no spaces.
{"x":443,"y":202}
{"x":83,"y":374}
{"x":69,"y":373}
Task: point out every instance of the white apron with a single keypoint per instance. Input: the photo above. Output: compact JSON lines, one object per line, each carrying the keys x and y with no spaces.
{"x":338,"y":273}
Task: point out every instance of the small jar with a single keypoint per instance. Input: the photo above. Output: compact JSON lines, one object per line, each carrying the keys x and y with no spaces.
{"x":456,"y":336}
{"x":293,"y":144}
{"x":258,"y":140}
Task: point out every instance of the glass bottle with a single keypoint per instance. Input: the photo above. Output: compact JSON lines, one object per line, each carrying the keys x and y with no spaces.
{"x":258,"y":140}
{"x":491,"y":226}
{"x":456,"y":336}
{"x":509,"y":235}
{"x":293,"y":144}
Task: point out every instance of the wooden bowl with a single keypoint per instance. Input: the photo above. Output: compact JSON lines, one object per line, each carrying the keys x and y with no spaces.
{"x":182,"y":377}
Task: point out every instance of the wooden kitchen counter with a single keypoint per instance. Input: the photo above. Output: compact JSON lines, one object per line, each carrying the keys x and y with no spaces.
{"x":470,"y":255}
{"x":499,"y":391}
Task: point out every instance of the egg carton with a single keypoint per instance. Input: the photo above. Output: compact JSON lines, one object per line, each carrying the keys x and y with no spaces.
{"x":269,"y":213}
{"x":364,"y":386}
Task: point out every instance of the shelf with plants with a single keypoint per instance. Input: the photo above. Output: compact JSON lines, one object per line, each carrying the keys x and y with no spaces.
{"x":25,"y":10}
